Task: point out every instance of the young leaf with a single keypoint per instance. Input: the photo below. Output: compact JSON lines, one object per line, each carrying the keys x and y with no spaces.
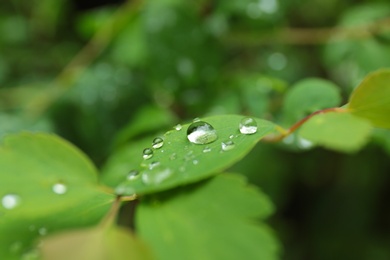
{"x":339,"y":131}
{"x":215,"y":219}
{"x":371,"y":99}
{"x":98,"y":243}
{"x":308,"y":96}
{"x":179,"y":161}
{"x":46,"y":184}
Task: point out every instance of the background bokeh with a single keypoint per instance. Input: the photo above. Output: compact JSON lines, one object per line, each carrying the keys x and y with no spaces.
{"x":105,"y":74}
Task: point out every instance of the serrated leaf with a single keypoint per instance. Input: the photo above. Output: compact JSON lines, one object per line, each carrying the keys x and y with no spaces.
{"x":338,"y":131}
{"x":98,"y":243}
{"x":52,"y":186}
{"x":180,"y":162}
{"x":215,"y":219}
{"x":371,"y":99}
{"x":308,"y":96}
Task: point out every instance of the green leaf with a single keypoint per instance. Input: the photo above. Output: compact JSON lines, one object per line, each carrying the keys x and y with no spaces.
{"x":308,"y":96}
{"x":215,"y":219}
{"x":46,"y":184}
{"x":98,"y":243}
{"x":371,"y":99}
{"x":180,"y":162}
{"x":338,"y":131}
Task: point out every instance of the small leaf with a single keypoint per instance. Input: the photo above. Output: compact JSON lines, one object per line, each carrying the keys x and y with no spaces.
{"x":98,"y":243}
{"x":214,"y":219}
{"x":46,"y":184}
{"x":338,"y":131}
{"x":371,"y":99}
{"x":180,"y":162}
{"x":308,"y":96}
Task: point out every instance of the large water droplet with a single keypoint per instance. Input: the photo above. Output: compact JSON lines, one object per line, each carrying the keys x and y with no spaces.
{"x":10,"y":201}
{"x":59,"y":188}
{"x":227,"y":145}
{"x":147,"y":153}
{"x":158,"y":142}
{"x":248,"y":126}
{"x":178,"y":127}
{"x":133,"y":174}
{"x":201,"y":133}
{"x":156,"y":175}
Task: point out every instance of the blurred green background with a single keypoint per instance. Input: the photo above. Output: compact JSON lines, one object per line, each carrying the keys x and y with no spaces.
{"x":105,"y":74}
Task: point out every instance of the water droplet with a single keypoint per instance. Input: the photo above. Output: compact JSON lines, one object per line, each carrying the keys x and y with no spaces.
{"x":248,"y":126}
{"x":59,"y":188}
{"x":124,"y":189}
{"x":42,"y":231}
{"x":227,"y":145}
{"x":147,"y":153}
{"x":133,"y":174}
{"x":195,"y":162}
{"x":231,"y":136}
{"x":10,"y":201}
{"x":304,"y":143}
{"x":158,"y":142}
{"x":156,"y":175}
{"x":196,"y":119}
{"x":201,"y":133}
{"x":178,"y":127}
{"x":153,"y":164}
{"x":207,"y":149}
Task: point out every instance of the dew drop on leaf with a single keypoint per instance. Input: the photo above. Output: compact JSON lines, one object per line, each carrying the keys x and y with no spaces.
{"x":133,"y":174}
{"x":248,"y":126}
{"x":59,"y":188}
{"x":156,"y":175}
{"x":153,"y":165}
{"x":227,"y":145}
{"x":201,"y":133}
{"x":124,"y":189}
{"x":196,"y":119}
{"x":178,"y":127}
{"x":10,"y":201}
{"x":195,"y":162}
{"x":207,"y":149}
{"x":158,"y":142}
{"x":147,"y":153}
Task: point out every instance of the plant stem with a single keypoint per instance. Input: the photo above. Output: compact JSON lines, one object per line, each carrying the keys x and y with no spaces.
{"x":286,"y":132}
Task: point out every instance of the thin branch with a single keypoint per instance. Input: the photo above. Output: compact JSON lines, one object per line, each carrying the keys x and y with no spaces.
{"x":309,"y":36}
{"x":286,"y":132}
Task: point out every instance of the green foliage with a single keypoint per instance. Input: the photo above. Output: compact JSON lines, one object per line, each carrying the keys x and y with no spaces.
{"x":46,"y":185}
{"x":338,"y":131}
{"x":308,"y":96}
{"x":223,"y":227}
{"x":110,"y":79}
{"x":371,"y":99}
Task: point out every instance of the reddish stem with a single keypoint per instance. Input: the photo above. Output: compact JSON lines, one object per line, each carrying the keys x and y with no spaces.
{"x":293,"y":128}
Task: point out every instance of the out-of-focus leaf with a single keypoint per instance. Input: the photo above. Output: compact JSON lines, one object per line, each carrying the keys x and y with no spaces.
{"x":337,"y":131}
{"x":149,"y":119}
{"x":46,"y":184}
{"x":371,"y":99}
{"x":180,"y":162}
{"x":98,"y":243}
{"x":214,"y":219}
{"x":308,"y":96}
